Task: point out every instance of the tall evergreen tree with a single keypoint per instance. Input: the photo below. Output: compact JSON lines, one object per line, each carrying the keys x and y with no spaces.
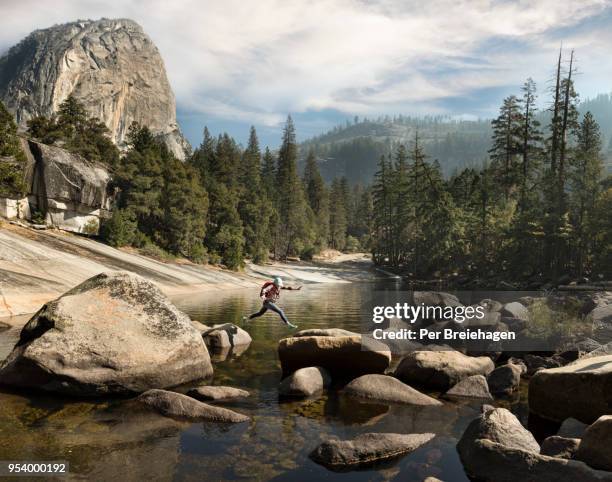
{"x":292,"y":230}
{"x":318,"y":199}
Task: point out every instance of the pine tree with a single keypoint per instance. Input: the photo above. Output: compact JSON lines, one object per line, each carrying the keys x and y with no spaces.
{"x":337,"y":215}
{"x":318,"y":200}
{"x":292,"y":233}
{"x":507,"y":142}
{"x":585,"y":174}
{"x":12,"y":181}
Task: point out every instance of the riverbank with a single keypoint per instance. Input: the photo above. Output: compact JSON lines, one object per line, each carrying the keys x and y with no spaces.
{"x":37,"y":266}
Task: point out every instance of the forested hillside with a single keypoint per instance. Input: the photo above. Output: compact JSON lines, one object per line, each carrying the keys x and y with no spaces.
{"x":353,"y":149}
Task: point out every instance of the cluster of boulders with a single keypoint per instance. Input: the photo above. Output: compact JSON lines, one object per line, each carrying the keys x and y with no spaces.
{"x":573,"y":385}
{"x":117,"y":334}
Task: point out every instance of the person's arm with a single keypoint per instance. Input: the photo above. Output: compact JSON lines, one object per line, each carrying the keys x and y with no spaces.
{"x":292,"y":288}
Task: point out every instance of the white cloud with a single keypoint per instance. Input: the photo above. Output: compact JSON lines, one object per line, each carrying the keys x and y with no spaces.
{"x":255,"y":61}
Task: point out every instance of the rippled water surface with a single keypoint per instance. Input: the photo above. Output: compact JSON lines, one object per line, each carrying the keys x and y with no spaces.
{"x":115,"y":440}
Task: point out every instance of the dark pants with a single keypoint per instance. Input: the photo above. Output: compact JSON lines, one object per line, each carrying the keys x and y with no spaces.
{"x":268,"y":305}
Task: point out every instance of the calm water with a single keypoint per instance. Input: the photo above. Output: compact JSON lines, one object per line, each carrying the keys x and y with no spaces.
{"x":114,"y":440}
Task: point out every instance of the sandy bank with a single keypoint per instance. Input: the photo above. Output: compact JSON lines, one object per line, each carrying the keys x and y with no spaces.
{"x":37,"y":266}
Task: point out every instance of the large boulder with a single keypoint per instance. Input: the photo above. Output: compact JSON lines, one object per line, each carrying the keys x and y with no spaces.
{"x":305,"y":382}
{"x":601,"y":317}
{"x":474,"y":387}
{"x":440,"y":370}
{"x":181,"y":407}
{"x":596,"y":445}
{"x":384,"y":388}
{"x":115,"y":333}
{"x":582,"y":390}
{"x":342,"y":356}
{"x":496,"y":448}
{"x":209,"y":393}
{"x":367,"y":449}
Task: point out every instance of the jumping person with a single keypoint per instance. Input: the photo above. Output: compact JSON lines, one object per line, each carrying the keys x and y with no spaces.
{"x":270,"y":292}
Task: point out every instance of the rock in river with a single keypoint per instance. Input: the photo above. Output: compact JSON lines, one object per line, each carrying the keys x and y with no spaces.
{"x":115,"y":333}
{"x":596,"y":445}
{"x":440,"y":370}
{"x":179,"y":406}
{"x":384,"y":388}
{"x":581,"y":390}
{"x":305,"y":382}
{"x":505,"y":379}
{"x":226,"y":335}
{"x":208,"y":393}
{"x":342,"y":356}
{"x":474,"y":387}
{"x":496,"y":448}
{"x":367,"y":449}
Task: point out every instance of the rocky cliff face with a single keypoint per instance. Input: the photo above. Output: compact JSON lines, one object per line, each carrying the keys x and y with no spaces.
{"x":67,"y":190}
{"x":111,"y":66}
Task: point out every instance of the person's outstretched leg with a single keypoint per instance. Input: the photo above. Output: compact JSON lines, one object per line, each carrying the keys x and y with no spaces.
{"x":259,"y":313}
{"x":280,"y":312}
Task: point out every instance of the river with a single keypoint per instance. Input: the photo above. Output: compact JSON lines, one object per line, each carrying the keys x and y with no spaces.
{"x":108,"y":440}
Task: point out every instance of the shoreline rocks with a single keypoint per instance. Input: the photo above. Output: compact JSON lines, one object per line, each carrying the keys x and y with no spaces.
{"x":115,"y":333}
{"x":181,"y":407}
{"x":383,"y":388}
{"x":366,"y":449}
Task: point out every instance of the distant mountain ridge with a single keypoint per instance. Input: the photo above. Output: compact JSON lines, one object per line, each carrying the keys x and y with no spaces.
{"x":110,"y":65}
{"x":353,"y":150}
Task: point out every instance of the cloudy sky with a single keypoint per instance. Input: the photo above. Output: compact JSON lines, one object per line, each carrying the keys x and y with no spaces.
{"x":233,"y":63}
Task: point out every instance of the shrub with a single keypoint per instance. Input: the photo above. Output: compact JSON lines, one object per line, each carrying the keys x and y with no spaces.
{"x":120,"y":229}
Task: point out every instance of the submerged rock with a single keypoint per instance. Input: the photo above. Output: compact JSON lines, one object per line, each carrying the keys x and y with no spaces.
{"x":342,"y":356}
{"x":596,"y":445}
{"x":581,"y":390}
{"x":179,"y":406}
{"x":367,"y":449}
{"x":208,"y":393}
{"x":440,"y":370}
{"x":384,"y":388}
{"x":562,"y":447}
{"x":305,"y":382}
{"x":115,"y":333}
{"x":474,"y":387}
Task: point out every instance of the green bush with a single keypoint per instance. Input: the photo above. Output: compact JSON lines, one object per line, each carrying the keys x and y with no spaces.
{"x":120,"y":229}
{"x":352,"y":244}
